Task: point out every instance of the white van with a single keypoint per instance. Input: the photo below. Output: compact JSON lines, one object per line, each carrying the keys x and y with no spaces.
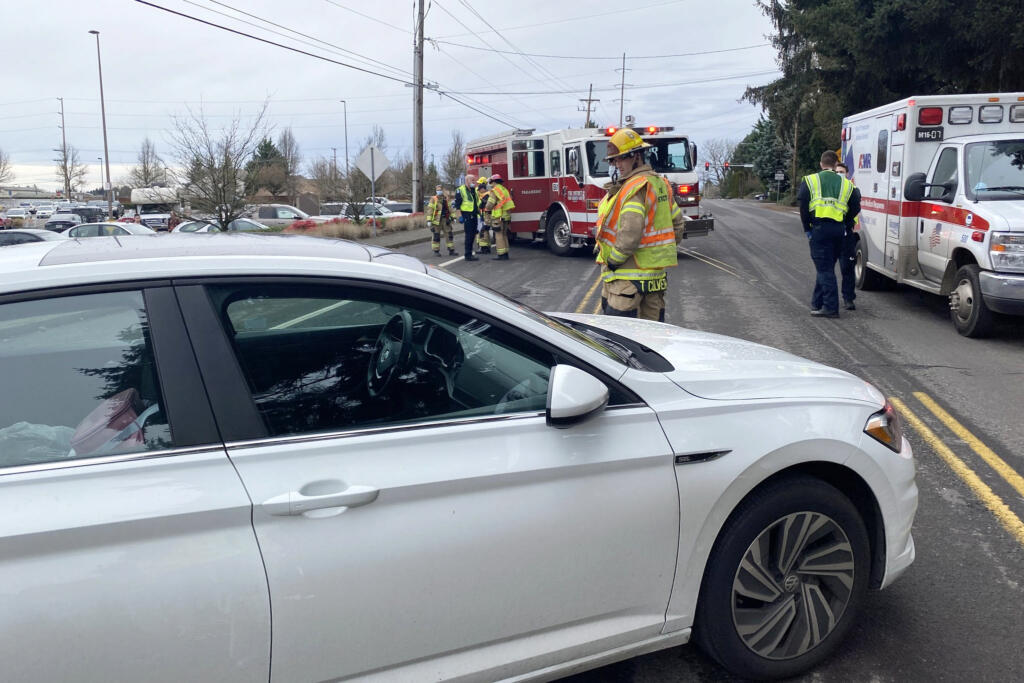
{"x":942,"y":200}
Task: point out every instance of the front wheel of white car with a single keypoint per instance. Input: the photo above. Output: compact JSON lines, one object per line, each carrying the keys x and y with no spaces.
{"x":785,"y":580}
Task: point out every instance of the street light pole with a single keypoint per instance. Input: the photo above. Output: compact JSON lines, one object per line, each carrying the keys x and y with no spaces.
{"x":345,"y":105}
{"x":108,"y":189}
{"x":100,"y":159}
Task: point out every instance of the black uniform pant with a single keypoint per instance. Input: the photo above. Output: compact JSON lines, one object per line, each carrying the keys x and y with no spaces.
{"x":847,"y":260}
{"x":826,"y":246}
{"x":469,"y":223}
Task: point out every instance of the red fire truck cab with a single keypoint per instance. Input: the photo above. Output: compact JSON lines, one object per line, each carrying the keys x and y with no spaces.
{"x":557,"y":178}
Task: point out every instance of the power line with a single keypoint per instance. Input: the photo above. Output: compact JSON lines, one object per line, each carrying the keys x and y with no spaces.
{"x":271,"y":42}
{"x":615,"y":87}
{"x":298,"y":33}
{"x":568,"y":19}
{"x":367,"y":16}
{"x":613,"y":59}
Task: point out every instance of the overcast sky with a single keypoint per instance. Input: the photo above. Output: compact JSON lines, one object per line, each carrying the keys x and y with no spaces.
{"x":156,"y":64}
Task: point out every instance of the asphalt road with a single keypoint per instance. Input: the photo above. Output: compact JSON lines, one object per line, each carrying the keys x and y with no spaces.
{"x":958,"y":613}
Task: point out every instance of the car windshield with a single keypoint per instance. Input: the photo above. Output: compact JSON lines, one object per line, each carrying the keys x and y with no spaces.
{"x":664,"y":156}
{"x":616,"y":354}
{"x":191,"y":226}
{"x":995,"y":170}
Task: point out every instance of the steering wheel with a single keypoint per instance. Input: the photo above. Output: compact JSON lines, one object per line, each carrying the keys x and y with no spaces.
{"x":391,"y":353}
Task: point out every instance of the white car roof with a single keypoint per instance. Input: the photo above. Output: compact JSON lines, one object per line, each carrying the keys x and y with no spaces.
{"x":140,"y":257}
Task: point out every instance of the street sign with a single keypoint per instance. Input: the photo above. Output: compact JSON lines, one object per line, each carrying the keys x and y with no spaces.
{"x":372,"y":163}
{"x":779,"y":175}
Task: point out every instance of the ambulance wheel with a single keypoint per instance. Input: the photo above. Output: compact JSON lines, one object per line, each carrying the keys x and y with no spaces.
{"x":866,"y":278}
{"x":559,"y":235}
{"x":971,"y":317}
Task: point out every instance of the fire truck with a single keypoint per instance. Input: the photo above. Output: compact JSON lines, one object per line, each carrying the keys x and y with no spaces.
{"x":557,"y":178}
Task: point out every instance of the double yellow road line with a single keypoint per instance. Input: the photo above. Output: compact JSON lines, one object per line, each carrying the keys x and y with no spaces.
{"x":586,"y":298}
{"x":1002,"y":512}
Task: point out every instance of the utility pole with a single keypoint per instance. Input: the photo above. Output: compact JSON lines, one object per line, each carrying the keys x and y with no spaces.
{"x":417,"y":115}
{"x":622,"y":88}
{"x":108,"y":188}
{"x":589,"y":100}
{"x":344,"y":104}
{"x":64,"y":153}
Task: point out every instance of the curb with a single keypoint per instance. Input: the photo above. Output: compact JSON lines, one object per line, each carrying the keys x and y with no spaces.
{"x":409,"y":241}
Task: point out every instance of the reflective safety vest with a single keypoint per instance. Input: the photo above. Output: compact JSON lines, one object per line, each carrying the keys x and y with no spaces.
{"x":657,"y":249}
{"x":467,"y":200}
{"x":827,"y":199}
{"x":434,"y":210}
{"x":503,"y":203}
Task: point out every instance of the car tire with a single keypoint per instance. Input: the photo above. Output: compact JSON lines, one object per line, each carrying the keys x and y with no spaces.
{"x":558,"y":235}
{"x":864,"y":277}
{"x":967,"y":309}
{"x":761,"y":620}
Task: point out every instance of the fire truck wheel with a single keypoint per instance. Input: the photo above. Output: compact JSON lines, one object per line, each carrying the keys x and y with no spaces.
{"x":971,"y":317}
{"x":559,"y":235}
{"x":866,"y":278}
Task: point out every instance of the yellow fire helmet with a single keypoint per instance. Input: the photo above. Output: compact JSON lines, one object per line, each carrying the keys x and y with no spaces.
{"x":624,"y":141}
{"x":481,"y":181}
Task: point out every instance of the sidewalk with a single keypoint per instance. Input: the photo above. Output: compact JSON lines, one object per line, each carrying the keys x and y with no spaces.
{"x":405,"y":238}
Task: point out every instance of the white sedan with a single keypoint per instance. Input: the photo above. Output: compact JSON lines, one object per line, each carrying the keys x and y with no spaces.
{"x":293,"y":459}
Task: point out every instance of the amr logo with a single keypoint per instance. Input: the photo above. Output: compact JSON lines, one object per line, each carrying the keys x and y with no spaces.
{"x":864,"y":161}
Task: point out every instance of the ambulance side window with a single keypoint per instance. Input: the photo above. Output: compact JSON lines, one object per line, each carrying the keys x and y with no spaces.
{"x":945,"y":172}
{"x":556,"y":163}
{"x":883,"y":150}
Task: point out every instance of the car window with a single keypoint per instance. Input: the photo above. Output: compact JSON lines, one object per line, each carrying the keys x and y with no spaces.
{"x":318,"y":359}
{"x":286,"y":213}
{"x":16,"y":238}
{"x":945,"y":172}
{"x":266,"y":212}
{"x":79,"y":379}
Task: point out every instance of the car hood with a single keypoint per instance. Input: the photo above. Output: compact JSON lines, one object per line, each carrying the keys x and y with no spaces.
{"x":1001,"y":215}
{"x":717,"y":367}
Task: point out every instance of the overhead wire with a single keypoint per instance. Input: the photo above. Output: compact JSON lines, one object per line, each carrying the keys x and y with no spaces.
{"x":615,"y":87}
{"x":613,"y":59}
{"x":568,"y":19}
{"x":367,"y":16}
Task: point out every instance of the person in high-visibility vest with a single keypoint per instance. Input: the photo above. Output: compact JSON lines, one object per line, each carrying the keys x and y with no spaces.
{"x":828,"y":204}
{"x":638,"y":225}
{"x":466,"y":203}
{"x":483,"y":236}
{"x":500,"y":206}
{"x":439,"y":218}
{"x":848,"y":254}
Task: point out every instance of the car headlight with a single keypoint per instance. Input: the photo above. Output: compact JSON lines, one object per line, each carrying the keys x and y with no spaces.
{"x":884,"y":427}
{"x":1007,"y":251}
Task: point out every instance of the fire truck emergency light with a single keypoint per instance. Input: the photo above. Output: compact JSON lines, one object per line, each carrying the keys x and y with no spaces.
{"x":652,"y":129}
{"x":610,"y":130}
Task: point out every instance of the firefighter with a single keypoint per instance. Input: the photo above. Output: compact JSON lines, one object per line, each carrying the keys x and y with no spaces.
{"x":500,"y":206}
{"x":828,"y":205}
{"x":483,"y":241}
{"x":439,"y":219}
{"x":638,"y":226}
{"x":466,"y":203}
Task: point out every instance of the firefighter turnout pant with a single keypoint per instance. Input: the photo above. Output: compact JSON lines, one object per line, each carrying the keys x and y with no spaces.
{"x":501,"y":234}
{"x":644,"y":299}
{"x":483,"y":240}
{"x":435,"y":237}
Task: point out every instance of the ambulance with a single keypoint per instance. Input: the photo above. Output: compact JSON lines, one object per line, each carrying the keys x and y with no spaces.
{"x":557,"y":178}
{"x":942,"y":201}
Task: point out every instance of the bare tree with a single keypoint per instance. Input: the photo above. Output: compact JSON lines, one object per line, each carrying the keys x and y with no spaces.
{"x":291,"y":160}
{"x":70,"y":171}
{"x":400,"y":174}
{"x":717,"y":151}
{"x":325,"y":176}
{"x":454,"y":163}
{"x":214,"y":161}
{"x":6,"y":174}
{"x":150,"y":170}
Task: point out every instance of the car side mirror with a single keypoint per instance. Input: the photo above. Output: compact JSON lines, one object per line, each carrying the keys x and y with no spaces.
{"x":693,"y":154}
{"x":573,"y":396}
{"x":913,"y":188}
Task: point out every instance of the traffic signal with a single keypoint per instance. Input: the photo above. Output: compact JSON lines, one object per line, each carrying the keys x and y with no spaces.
{"x":727,"y":166}
{"x":707,"y":165}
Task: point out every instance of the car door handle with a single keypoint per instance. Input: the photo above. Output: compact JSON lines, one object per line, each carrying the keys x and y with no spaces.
{"x":297,"y":503}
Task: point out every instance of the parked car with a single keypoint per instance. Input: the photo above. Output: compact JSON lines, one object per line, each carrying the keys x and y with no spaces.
{"x":237,"y":225}
{"x":44,"y":211}
{"x":62,"y":221}
{"x":377,"y":200}
{"x":16,"y":218}
{"x":25,"y":236}
{"x":280,"y":215}
{"x":291,"y":458}
{"x":107,"y":230}
{"x":90,"y":214}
